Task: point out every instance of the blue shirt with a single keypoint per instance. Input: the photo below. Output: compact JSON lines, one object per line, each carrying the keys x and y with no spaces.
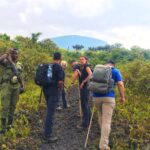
{"x":116,"y":75}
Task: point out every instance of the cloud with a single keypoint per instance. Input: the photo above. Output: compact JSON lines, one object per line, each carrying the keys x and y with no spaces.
{"x":88,"y":8}
{"x":128,"y":36}
{"x":114,"y":21}
{"x":77,"y":8}
{"x":23,"y":17}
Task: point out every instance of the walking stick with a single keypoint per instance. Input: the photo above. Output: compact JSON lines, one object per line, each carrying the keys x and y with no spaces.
{"x":80,"y":109}
{"x":85,"y":145}
{"x":40,"y":99}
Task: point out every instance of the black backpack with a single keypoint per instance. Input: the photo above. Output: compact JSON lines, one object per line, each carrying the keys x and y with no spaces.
{"x":44,"y":75}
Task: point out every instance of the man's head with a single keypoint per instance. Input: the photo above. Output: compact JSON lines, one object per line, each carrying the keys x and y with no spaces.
{"x":14,"y":54}
{"x":73,"y":63}
{"x":83,"y":60}
{"x":110,"y":63}
{"x":57,"y":56}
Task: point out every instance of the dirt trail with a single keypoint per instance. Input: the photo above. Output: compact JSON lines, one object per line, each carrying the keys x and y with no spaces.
{"x":71,"y":138}
{"x":66,"y":120}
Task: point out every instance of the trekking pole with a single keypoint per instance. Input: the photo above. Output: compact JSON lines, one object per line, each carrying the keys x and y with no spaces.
{"x":85,"y":145}
{"x":40,"y":99}
{"x":80,"y":109}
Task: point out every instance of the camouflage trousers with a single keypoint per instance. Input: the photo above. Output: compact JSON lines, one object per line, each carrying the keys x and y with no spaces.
{"x":9,"y":99}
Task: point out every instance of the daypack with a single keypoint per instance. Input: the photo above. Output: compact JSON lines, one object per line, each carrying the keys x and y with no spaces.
{"x":44,"y":75}
{"x":101,"y":81}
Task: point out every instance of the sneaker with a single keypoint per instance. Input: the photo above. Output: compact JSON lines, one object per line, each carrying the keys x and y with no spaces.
{"x":68,"y":106}
{"x":59,"y":108}
{"x":50,"y":139}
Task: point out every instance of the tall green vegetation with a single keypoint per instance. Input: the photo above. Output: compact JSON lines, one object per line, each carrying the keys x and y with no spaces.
{"x":133,"y":118}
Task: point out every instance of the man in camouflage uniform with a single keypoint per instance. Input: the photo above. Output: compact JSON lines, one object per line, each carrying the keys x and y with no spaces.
{"x":11,"y":84}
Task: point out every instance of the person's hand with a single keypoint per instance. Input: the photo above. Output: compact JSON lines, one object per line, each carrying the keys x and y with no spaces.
{"x":22,"y":89}
{"x":60,"y":85}
{"x":5,"y":56}
{"x":9,"y":58}
{"x":122,"y":100}
{"x":81,"y":85}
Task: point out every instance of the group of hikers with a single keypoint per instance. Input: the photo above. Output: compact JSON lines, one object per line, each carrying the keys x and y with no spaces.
{"x":51,"y":80}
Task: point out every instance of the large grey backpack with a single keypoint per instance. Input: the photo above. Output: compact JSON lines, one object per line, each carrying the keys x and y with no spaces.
{"x":101,"y":81}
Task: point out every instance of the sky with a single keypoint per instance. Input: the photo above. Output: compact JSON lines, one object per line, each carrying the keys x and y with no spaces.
{"x":114,"y":21}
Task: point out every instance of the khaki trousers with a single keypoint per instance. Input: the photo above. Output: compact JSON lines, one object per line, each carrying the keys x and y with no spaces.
{"x":105,"y":107}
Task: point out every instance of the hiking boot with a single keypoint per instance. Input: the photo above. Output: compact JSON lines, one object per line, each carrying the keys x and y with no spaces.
{"x":59,"y":108}
{"x":9,"y":123}
{"x":68,"y":106}
{"x":50,"y":139}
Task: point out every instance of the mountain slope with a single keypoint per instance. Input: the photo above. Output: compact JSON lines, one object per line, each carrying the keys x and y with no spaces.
{"x":67,"y":42}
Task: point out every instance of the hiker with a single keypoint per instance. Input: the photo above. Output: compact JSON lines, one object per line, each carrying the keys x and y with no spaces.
{"x":11,"y":85}
{"x":105,"y":104}
{"x":83,"y":73}
{"x":63,"y":93}
{"x":51,"y":93}
{"x":74,"y":65}
{"x":75,"y":68}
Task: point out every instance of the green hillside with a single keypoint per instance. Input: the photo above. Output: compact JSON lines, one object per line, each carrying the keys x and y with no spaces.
{"x":134,"y":115}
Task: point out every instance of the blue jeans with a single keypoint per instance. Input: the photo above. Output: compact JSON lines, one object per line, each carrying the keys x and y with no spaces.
{"x":51,"y":101}
{"x":84,"y":97}
{"x":64,"y":98}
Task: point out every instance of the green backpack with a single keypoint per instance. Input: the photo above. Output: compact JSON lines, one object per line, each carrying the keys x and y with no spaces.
{"x":101,"y":81}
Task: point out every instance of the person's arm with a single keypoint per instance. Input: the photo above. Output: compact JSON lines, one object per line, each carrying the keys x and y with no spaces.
{"x":21,"y":82}
{"x":60,"y":85}
{"x":60,"y":79}
{"x":22,"y":85}
{"x":4,"y":56}
{"x":120,"y":85}
{"x":89,"y":72}
{"x":75,"y":76}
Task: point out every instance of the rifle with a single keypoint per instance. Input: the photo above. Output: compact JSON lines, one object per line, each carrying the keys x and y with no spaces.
{"x":16,"y":73}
